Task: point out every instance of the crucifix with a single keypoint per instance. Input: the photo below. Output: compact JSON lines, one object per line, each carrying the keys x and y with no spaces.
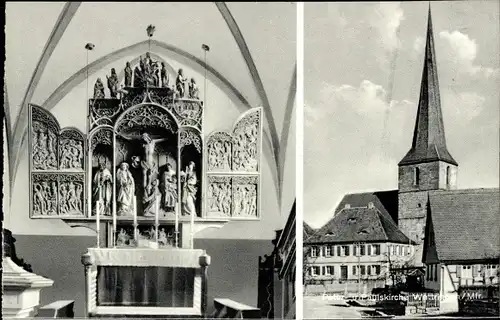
{"x":150,"y":183}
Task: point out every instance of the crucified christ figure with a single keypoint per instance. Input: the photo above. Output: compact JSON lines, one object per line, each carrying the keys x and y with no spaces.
{"x":149,"y":172}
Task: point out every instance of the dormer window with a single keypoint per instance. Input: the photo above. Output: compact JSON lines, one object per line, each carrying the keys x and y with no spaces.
{"x":416,"y":176}
{"x":347,"y":206}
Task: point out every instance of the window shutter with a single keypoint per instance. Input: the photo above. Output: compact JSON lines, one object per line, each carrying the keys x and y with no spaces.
{"x":346,"y":250}
{"x":369,"y":249}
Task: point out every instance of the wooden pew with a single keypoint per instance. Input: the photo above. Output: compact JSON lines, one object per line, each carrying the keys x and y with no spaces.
{"x":57,"y":309}
{"x":229,"y":309}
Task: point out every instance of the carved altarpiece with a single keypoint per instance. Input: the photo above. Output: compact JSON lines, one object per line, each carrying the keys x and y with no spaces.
{"x":144,"y":166}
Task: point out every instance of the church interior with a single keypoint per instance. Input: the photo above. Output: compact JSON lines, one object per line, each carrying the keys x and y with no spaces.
{"x":155,"y":143}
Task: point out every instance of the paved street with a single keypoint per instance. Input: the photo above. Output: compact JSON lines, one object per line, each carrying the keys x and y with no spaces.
{"x":319,"y":307}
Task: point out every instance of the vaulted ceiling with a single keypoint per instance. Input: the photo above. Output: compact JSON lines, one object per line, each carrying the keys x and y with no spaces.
{"x":252,"y":55}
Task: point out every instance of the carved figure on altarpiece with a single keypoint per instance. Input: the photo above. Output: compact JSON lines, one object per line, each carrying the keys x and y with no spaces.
{"x":102,"y":190}
{"x":99,"y":89}
{"x":113,"y":83}
{"x":124,"y":236}
{"x":44,"y":139}
{"x":128,"y":74}
{"x":180,"y":84}
{"x":147,"y":116}
{"x":194,"y":91}
{"x":219,"y":195}
{"x":189,"y":113}
{"x":219,"y":149}
{"x":245,"y":196}
{"x":168,"y":187}
{"x":71,"y":194}
{"x":44,"y":147}
{"x":147,"y":233}
{"x":246,"y":143}
{"x":150,"y":180}
{"x":189,"y":182}
{"x":125,"y":190}
{"x":45,"y":194}
{"x":166,"y":236}
{"x":71,"y":150}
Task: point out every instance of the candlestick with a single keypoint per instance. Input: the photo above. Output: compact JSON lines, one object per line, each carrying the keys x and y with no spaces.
{"x":176,"y":233}
{"x":114,"y":227}
{"x":97,"y":220}
{"x":134,"y":212}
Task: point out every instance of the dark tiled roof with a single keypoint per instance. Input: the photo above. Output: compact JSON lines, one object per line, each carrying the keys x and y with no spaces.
{"x":466,"y":224}
{"x":429,"y":142}
{"x":385,"y":201}
{"x":359,"y":224}
{"x":308,"y":231}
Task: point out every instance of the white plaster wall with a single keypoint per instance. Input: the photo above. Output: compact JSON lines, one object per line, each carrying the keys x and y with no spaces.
{"x":449,"y":297}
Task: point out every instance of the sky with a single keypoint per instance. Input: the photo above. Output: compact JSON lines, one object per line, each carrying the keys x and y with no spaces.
{"x":363,"y":67}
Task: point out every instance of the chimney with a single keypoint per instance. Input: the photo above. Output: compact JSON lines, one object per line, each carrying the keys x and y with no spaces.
{"x":370,"y":205}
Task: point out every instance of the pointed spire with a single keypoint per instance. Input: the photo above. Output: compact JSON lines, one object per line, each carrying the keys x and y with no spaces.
{"x":429,"y":142}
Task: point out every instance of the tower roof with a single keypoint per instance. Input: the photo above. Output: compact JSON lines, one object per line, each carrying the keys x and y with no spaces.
{"x":429,"y":142}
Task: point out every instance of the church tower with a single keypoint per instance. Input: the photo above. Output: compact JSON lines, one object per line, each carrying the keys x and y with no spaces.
{"x":428,"y":165}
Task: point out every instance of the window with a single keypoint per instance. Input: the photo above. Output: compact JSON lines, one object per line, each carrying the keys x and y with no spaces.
{"x":328,"y":251}
{"x":416,"y":176}
{"x":315,"y":271}
{"x":362,"y":248}
{"x":466,"y":272}
{"x":398,"y":250}
{"x":369,"y":248}
{"x":314,"y":252}
{"x":375,"y":270}
{"x":376,"y":248}
{"x":329,"y":271}
{"x":362,"y":270}
{"x":427,"y":272}
{"x":435,"y":272}
{"x":403,"y":250}
{"x":391,"y":250}
{"x":369,"y":270}
{"x":344,"y":251}
{"x":339,"y":253}
{"x":354,"y":270}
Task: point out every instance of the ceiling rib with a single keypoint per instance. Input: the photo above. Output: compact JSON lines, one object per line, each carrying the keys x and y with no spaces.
{"x":62,"y":22}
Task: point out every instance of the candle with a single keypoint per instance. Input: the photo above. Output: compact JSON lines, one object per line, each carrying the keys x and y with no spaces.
{"x":176,"y":234}
{"x":97,"y":218}
{"x":134,"y":212}
{"x":157,"y":208}
{"x":134,"y":209}
{"x":114,"y":223}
